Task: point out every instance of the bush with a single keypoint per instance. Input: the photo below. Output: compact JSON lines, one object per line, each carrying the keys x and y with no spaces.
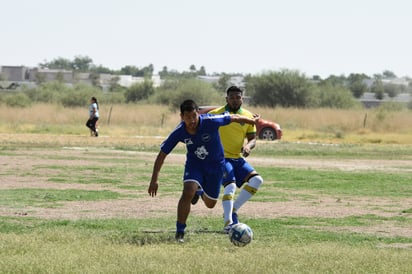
{"x":175,"y":92}
{"x":50,"y":92}
{"x":410,"y":105}
{"x":328,"y":96}
{"x":139,"y":91}
{"x":17,"y":100}
{"x":285,"y":88}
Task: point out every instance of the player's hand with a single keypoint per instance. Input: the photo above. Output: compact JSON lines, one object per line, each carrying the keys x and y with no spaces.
{"x":153,"y":189}
{"x":245,"y":151}
{"x":256,"y":117}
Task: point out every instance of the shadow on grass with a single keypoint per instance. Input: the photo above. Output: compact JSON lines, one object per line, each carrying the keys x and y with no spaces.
{"x":148,"y":237}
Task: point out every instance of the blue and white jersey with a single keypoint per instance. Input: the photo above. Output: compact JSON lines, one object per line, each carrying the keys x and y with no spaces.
{"x":92,"y":107}
{"x":205,"y":146}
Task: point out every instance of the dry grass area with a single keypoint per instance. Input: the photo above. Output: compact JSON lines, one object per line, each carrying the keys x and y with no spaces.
{"x":126,"y":120}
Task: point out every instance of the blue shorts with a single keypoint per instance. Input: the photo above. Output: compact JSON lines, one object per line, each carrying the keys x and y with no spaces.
{"x":207,"y":177}
{"x":236,"y":170}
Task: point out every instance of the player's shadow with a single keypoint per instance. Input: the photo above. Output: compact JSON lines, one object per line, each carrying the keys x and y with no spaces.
{"x":146,"y":237}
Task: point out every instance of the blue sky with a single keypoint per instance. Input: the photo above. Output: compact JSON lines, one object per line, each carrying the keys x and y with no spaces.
{"x":317,"y":37}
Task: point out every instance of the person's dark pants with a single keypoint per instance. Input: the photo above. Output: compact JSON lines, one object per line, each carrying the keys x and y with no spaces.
{"x":91,"y":123}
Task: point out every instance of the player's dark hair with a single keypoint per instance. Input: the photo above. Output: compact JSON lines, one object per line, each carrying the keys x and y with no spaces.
{"x":233,"y":89}
{"x":189,"y":106}
{"x":95,"y":100}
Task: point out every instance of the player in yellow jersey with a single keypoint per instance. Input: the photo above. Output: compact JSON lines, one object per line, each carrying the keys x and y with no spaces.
{"x":238,"y":140}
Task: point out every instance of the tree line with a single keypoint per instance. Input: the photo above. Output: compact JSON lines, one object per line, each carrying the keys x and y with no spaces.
{"x":284,"y":88}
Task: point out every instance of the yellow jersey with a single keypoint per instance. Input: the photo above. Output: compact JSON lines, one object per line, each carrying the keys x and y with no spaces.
{"x":233,"y":135}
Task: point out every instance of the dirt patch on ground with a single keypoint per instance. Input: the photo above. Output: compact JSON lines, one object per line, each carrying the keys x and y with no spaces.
{"x":144,"y":206}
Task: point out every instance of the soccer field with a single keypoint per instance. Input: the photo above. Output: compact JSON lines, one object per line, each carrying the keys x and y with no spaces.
{"x":72,"y":208}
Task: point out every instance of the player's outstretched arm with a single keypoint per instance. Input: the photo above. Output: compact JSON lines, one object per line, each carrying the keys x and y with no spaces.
{"x":243,"y":119}
{"x":154,"y":185}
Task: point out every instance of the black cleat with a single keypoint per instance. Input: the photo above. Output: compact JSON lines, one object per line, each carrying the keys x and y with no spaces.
{"x":195,"y":199}
{"x":180,"y":237}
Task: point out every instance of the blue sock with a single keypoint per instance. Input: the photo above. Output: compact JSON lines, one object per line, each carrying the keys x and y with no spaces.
{"x":199,"y":192}
{"x":234,"y":218}
{"x":180,"y":227}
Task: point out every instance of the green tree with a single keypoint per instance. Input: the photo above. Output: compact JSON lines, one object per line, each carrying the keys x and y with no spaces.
{"x":174,"y":92}
{"x":335,"y":80}
{"x":387,"y":74}
{"x":114,"y":84}
{"x":392,"y":89}
{"x":79,"y":63}
{"x":131,"y":70}
{"x":223,"y":82}
{"x":58,"y":63}
{"x":356,"y":84}
{"x":82,"y":63}
{"x":100,"y":69}
{"x":285,"y":88}
{"x":139,"y":91}
{"x":329,"y":96}
{"x":164,"y":73}
{"x":378,"y":88}
{"x":148,"y":71}
{"x":202,"y":71}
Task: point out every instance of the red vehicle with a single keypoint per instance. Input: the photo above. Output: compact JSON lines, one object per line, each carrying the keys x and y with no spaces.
{"x":266,"y":130}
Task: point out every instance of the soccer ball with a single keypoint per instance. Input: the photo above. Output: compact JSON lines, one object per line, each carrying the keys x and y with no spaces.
{"x":240,"y":234}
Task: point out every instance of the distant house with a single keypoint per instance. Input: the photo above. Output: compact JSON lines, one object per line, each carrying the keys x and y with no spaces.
{"x":20,"y":75}
{"x":369,"y":100}
{"x":208,"y":79}
{"x":14,"y":73}
{"x":233,"y":80}
{"x":49,"y":75}
{"x":128,"y":80}
{"x":83,"y":77}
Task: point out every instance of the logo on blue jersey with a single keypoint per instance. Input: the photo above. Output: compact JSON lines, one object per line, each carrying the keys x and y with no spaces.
{"x":188,"y":141}
{"x":206,"y":137}
{"x":201,"y":152}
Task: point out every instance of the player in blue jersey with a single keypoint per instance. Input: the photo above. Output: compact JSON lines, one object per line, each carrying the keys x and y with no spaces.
{"x":205,"y":161}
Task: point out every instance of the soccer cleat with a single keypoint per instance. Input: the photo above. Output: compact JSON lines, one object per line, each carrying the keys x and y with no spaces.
{"x":227,"y":228}
{"x":195,"y":199}
{"x":234,"y":218}
{"x":96,"y":133}
{"x":180,"y":236}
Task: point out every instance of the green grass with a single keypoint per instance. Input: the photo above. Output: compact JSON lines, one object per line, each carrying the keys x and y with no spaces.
{"x":129,"y":246}
{"x":357,"y":243}
{"x":333,"y":150}
{"x":370,"y":183}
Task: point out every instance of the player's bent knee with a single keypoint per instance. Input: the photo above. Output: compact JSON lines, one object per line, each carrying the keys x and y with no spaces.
{"x":255,"y":181}
{"x":209,"y":202}
{"x":230,"y":189}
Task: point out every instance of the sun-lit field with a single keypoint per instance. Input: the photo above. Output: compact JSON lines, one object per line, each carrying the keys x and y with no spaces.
{"x":76,"y":204}
{"x":336,"y":196}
